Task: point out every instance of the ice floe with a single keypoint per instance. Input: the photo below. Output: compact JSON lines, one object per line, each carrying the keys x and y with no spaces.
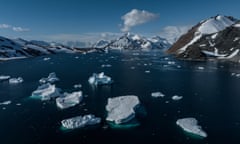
{"x":6,"y":102}
{"x":69,"y":99}
{"x":191,"y":125}
{"x":122,"y":109}
{"x":16,"y":80}
{"x":157,"y":94}
{"x":106,"y":65}
{"x":80,"y":121}
{"x":46,"y":58}
{"x":4,"y":77}
{"x":50,"y":79}
{"x":100,"y":79}
{"x":46,"y":92}
{"x":176,"y":97}
{"x":77,"y":86}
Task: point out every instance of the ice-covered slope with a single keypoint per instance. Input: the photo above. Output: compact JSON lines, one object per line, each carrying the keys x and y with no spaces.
{"x":209,"y":26}
{"x":20,"y":48}
{"x":215,"y":38}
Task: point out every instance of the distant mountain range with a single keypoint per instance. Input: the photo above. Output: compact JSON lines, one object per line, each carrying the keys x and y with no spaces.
{"x":215,"y":38}
{"x":134,"y":41}
{"x":20,"y":48}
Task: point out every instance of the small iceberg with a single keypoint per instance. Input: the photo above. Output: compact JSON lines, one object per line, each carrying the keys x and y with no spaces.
{"x":69,"y":100}
{"x":4,"y":77}
{"x":122,"y":109}
{"x":190,"y":125}
{"x":106,"y":65}
{"x":46,"y":58}
{"x":176,"y":97}
{"x":6,"y":102}
{"x":157,"y":94}
{"x":80,"y":122}
{"x":46,"y":92}
{"x":100,"y":79}
{"x":77,"y":86}
{"x":50,"y":79}
{"x":16,"y":80}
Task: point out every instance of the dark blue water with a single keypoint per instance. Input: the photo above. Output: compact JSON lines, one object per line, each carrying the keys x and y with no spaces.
{"x":210,"y":95}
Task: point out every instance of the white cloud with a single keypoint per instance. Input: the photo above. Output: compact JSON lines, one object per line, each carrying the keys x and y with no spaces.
{"x":14,"y":28}
{"x":172,"y":33}
{"x":136,"y":17}
{"x":4,"y":26}
{"x":20,"y":29}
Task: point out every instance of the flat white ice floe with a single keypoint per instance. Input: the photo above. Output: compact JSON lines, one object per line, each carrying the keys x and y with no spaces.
{"x":16,"y":80}
{"x":122,"y":109}
{"x":191,"y":125}
{"x":80,"y":121}
{"x":4,"y":77}
{"x":100,"y":79}
{"x":50,"y":79}
{"x":77,"y":86}
{"x":6,"y":102}
{"x":157,"y":94}
{"x":176,"y":97}
{"x":69,"y":99}
{"x":46,"y":92}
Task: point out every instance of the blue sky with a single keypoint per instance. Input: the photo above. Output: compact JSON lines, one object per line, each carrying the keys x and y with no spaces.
{"x":82,"y":19}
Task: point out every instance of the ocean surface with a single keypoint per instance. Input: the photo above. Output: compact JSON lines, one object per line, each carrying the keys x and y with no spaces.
{"x":210,"y":90}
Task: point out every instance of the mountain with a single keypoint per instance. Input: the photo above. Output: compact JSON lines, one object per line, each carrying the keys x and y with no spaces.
{"x":217,"y":37}
{"x":20,"y":48}
{"x":133,"y":41}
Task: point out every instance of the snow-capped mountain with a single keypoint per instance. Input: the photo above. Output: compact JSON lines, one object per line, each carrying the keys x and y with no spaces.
{"x":134,"y":41}
{"x":20,"y":48}
{"x":215,"y":37}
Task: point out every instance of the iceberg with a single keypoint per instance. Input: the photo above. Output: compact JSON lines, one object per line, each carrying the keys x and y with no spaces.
{"x":4,"y":77}
{"x":6,"y":102}
{"x":69,"y":100}
{"x":77,"y":86}
{"x":16,"y":80}
{"x":80,"y":121}
{"x":176,"y":97}
{"x":100,"y":79}
{"x":157,"y":94}
{"x":46,"y":92}
{"x":191,"y":125}
{"x":122,"y":109}
{"x":50,"y":79}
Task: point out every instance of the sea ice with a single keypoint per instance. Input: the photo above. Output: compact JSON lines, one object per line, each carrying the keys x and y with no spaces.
{"x":69,"y":100}
{"x":100,"y":79}
{"x":4,"y":77}
{"x":16,"y":80}
{"x":6,"y":102}
{"x":46,"y":92}
{"x":157,"y":94}
{"x":176,"y":97}
{"x":80,"y":121}
{"x":50,"y":79}
{"x":122,"y":109}
{"x":77,"y":86}
{"x":191,"y":125}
